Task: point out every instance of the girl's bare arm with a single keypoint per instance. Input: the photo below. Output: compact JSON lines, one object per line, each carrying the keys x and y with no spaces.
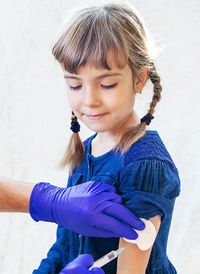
{"x":14,"y":195}
{"x":133,"y":260}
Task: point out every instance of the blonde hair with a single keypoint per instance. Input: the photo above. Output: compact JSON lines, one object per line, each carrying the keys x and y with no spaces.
{"x":92,"y":32}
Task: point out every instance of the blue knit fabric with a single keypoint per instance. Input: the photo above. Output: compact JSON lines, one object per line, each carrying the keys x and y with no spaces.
{"x":148,"y":181}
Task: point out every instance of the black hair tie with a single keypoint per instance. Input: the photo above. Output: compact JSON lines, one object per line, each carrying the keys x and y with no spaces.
{"x":147,"y":118}
{"x":75,"y":127}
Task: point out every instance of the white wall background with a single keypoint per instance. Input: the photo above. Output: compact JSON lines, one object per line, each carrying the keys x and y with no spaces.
{"x":35,"y":118}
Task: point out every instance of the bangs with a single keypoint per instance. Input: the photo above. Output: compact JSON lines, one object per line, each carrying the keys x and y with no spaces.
{"x":88,"y":39}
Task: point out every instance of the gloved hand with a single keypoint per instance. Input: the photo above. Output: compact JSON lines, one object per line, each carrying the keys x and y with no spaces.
{"x":81,"y":265}
{"x":92,"y":209}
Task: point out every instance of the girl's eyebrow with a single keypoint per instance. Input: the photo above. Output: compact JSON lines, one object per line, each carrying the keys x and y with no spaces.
{"x":98,"y":77}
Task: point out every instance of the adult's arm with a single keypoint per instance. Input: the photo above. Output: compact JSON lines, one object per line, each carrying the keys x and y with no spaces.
{"x":92,"y":208}
{"x":14,"y":195}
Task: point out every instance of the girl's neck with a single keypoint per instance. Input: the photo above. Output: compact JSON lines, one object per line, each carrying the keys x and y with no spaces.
{"x":113,"y":136}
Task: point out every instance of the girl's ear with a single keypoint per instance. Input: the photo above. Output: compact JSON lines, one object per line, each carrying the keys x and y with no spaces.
{"x":141,"y":80}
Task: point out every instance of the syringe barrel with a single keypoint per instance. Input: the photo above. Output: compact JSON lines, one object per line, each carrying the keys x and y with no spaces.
{"x":105,"y":259}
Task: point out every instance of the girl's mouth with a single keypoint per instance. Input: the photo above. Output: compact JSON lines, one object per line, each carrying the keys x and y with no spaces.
{"x":95,"y":117}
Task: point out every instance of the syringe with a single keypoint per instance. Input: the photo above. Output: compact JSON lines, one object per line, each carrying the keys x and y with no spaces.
{"x":107,"y":258}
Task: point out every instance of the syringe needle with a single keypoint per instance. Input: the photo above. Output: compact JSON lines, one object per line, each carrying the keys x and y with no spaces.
{"x":107,"y":258}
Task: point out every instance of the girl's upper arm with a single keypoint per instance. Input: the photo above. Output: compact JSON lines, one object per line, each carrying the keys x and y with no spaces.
{"x":133,"y":260}
{"x":148,"y":189}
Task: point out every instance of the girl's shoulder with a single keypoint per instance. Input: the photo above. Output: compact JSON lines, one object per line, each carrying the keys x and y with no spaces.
{"x":148,"y":167}
{"x":150,"y":146}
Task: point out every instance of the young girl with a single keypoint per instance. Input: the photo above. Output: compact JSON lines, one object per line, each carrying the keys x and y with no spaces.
{"x":105,"y":58}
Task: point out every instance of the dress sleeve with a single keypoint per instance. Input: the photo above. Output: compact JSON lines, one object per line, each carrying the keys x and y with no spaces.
{"x":149,"y":187}
{"x":57,"y":255}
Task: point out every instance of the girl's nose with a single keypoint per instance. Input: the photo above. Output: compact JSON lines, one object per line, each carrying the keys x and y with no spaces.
{"x":91,"y":97}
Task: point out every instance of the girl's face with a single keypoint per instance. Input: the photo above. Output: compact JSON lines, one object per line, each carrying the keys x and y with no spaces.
{"x":100,"y":91}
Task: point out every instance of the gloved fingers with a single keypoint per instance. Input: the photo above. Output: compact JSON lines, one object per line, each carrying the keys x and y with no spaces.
{"x":96,"y":204}
{"x":98,"y":232}
{"x":111,"y":224}
{"x":109,"y":196}
{"x":98,"y":187}
{"x":97,"y":270}
{"x":85,"y":260}
{"x":123,"y":214}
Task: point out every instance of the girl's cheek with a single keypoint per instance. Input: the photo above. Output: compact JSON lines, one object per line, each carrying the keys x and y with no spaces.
{"x":74,"y":101}
{"x":75,"y":105}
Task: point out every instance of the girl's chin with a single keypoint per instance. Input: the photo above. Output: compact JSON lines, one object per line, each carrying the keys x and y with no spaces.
{"x":93,"y":127}
{"x":96,"y":129}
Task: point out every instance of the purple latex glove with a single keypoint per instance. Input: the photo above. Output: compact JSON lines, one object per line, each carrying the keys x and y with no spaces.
{"x":81,"y":265}
{"x":91,"y":209}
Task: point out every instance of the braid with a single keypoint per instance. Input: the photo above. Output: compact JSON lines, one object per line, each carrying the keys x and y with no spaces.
{"x":137,"y":132}
{"x":75,"y":151}
{"x":155,"y":79}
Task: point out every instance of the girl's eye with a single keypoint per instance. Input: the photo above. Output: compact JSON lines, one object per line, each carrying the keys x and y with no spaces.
{"x":111,"y":86}
{"x":75,"y":88}
{"x":106,"y":87}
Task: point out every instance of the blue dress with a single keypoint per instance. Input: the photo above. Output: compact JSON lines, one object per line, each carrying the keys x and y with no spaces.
{"x":148,"y":182}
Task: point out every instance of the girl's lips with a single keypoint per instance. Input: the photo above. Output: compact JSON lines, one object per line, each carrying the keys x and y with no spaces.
{"x":95,"y":117}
